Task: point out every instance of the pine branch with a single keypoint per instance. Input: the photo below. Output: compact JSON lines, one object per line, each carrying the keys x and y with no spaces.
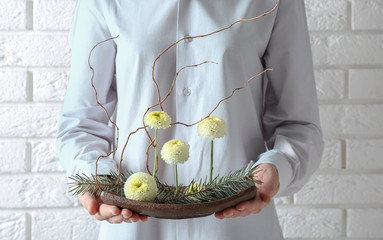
{"x":81,"y":183}
{"x":220,"y":187}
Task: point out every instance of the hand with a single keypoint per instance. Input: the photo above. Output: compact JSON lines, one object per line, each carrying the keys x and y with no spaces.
{"x":268,"y":174}
{"x":110,"y":213}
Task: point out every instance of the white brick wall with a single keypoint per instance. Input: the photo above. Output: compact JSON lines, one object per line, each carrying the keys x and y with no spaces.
{"x":343,"y":200}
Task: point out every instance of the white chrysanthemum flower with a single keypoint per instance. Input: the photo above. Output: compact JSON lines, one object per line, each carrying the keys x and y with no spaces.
{"x":175,"y":151}
{"x":212,"y":127}
{"x":158,"y":119}
{"x":141,"y":187}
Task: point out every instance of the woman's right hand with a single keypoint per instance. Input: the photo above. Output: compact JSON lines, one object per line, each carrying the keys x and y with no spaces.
{"x":110,"y":213}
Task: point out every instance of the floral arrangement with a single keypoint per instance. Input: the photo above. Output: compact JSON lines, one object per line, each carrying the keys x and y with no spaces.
{"x":146,"y":187}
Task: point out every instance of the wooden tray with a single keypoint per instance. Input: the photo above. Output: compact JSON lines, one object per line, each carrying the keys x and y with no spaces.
{"x":178,"y":211}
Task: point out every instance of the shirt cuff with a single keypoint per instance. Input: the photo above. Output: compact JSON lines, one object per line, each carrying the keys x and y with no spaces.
{"x":283,"y":167}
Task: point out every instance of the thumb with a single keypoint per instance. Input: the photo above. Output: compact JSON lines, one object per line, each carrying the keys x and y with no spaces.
{"x":89,"y":202}
{"x":270,"y":185}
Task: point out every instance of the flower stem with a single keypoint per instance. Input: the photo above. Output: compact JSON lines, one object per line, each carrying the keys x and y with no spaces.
{"x":176,"y":175}
{"x":211,"y":160}
{"x":155,"y":153}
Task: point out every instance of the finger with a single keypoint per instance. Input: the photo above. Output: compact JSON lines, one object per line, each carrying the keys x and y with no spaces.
{"x":98,"y":217}
{"x":116,"y":219}
{"x":108,"y":211}
{"x":89,"y":202}
{"x":235,"y":213}
{"x":246,"y":205}
{"x":135,"y":218}
{"x":253,"y":206}
{"x":219,"y":215}
{"x":143,"y":218}
{"x":230,"y":212}
{"x":128,"y":220}
{"x":227,"y":213}
{"x":126,"y":213}
{"x":120,"y":218}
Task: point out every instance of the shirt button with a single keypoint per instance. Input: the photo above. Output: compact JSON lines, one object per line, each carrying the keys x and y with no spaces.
{"x":187,"y":91}
{"x":188,"y":40}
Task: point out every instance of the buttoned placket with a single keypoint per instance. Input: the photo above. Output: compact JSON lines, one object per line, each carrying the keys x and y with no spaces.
{"x":183,"y":90}
{"x":183,"y":94}
{"x":178,"y":108}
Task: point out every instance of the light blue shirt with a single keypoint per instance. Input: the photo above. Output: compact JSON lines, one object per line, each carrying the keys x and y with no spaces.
{"x":279,"y":108}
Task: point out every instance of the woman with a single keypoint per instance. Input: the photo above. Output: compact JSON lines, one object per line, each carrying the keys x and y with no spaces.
{"x":280,"y":108}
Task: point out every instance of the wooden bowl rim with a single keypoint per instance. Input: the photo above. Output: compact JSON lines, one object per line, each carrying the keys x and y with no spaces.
{"x":179,"y":211}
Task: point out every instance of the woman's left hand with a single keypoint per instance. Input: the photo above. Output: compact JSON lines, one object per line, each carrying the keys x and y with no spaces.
{"x":268,"y":174}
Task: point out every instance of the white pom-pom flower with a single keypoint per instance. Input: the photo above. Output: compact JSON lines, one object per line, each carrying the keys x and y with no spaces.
{"x":175,"y":151}
{"x":141,"y":187}
{"x":212,"y":127}
{"x":158,"y":119}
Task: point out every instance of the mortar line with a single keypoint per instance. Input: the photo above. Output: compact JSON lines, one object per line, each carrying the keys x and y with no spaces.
{"x":350,"y":15}
{"x":28,"y":226}
{"x":29,"y":86}
{"x":29,"y":15}
{"x":344,"y":154}
{"x":28,"y":157}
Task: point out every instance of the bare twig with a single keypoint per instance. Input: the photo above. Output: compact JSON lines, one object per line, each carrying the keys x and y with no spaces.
{"x":170,"y":90}
{"x":106,"y":112}
{"x":123,"y":150}
{"x":226,"y":98}
{"x":160,"y":102}
{"x":200,"y":36}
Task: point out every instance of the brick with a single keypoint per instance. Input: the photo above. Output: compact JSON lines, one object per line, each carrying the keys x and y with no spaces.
{"x":13,"y":157}
{"x":367,"y":14}
{"x":86,"y":229}
{"x":311,"y":223}
{"x":346,"y":49}
{"x":13,"y":86}
{"x":53,"y":14}
{"x":330,"y":84}
{"x":13,"y":15}
{"x":31,"y":49}
{"x":332,"y":155}
{"x":71,"y":224}
{"x":360,"y":119}
{"x":28,"y":120}
{"x":12,"y":226}
{"x":35,"y":191}
{"x":44,"y":158}
{"x":326,"y":15}
{"x":49,"y":85}
{"x":364,"y":153}
{"x":342,"y":189}
{"x":366,"y":84}
{"x":365,"y":223}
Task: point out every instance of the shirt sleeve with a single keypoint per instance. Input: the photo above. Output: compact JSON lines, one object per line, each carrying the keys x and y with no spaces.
{"x":83,"y":132}
{"x":291,"y":117}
